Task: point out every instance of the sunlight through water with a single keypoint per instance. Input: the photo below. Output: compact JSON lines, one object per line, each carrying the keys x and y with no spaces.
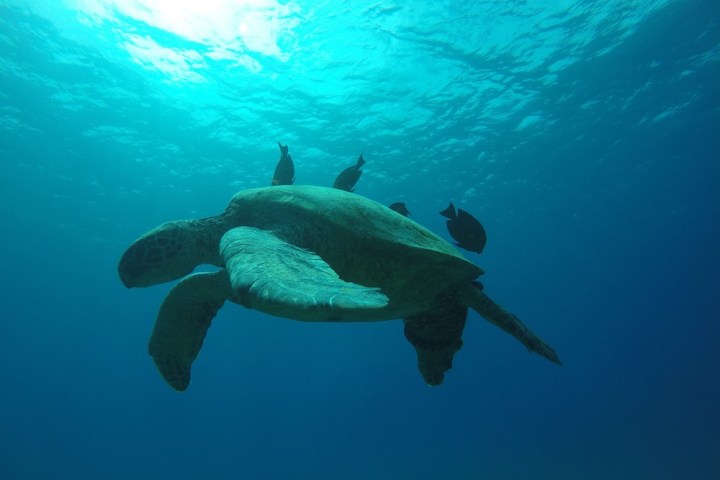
{"x":426,"y":83}
{"x":236,"y":32}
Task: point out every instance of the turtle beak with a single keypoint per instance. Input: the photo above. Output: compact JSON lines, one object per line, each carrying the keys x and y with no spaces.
{"x":131,"y":266}
{"x":142,"y":265}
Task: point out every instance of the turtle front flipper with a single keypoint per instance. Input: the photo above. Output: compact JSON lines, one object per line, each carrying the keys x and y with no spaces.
{"x":436,"y":336}
{"x":182,"y":323}
{"x":280,"y":279}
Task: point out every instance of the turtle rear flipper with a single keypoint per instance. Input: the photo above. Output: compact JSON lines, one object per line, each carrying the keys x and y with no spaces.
{"x":278,"y":278}
{"x":436,"y":336}
{"x":182,"y":323}
{"x":495,"y":314}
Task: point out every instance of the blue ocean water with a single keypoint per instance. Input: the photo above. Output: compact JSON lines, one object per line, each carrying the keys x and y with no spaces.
{"x":584,"y":135}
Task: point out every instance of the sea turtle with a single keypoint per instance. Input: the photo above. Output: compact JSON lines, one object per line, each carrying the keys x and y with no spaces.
{"x":314,"y":254}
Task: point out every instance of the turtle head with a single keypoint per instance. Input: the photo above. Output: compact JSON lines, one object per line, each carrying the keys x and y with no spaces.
{"x":167,"y":252}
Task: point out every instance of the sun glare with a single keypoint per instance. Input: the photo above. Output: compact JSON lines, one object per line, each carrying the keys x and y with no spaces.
{"x":229,"y":30}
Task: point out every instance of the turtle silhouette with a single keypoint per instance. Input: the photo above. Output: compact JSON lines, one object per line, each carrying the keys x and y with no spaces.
{"x":314,"y":254}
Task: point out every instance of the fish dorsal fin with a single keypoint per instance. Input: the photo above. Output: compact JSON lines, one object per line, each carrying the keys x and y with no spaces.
{"x":449,"y":212}
{"x":282,"y":279}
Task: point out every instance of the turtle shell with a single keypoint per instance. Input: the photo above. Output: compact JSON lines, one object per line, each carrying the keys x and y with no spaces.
{"x":363,"y":241}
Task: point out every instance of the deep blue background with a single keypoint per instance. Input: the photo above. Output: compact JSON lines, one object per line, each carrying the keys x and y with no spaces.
{"x":598,"y":184}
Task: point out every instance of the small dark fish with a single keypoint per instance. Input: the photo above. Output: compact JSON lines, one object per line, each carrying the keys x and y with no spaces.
{"x":465,"y":229}
{"x":285,"y":170}
{"x":349,"y":177}
{"x":400,"y":208}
